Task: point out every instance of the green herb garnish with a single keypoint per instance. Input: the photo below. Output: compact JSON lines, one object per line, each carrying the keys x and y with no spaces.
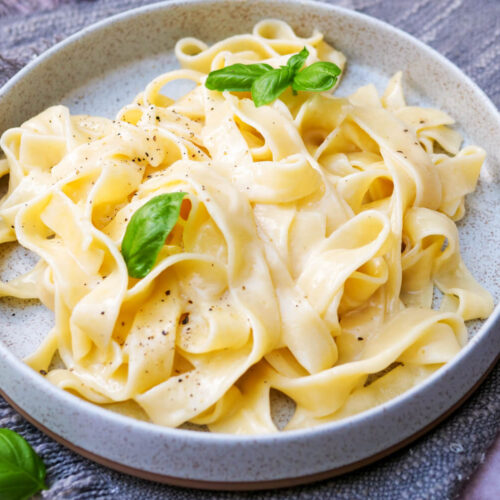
{"x":266,"y":83}
{"x":22,"y":472}
{"x":236,"y":78}
{"x":318,"y":77}
{"x":147,"y":230}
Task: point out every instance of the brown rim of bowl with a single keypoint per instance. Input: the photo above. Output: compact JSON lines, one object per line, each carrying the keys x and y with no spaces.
{"x":250,"y":485}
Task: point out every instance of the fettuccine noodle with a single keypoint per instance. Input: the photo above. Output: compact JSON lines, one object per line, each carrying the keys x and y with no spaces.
{"x":313,"y":235}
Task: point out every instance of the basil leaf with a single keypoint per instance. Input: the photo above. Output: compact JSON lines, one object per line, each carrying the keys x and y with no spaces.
{"x":147,"y":230}
{"x":317,"y":77}
{"x":297,"y":61}
{"x":267,"y":84}
{"x":270,"y":85}
{"x":22,"y":472}
{"x":236,"y":78}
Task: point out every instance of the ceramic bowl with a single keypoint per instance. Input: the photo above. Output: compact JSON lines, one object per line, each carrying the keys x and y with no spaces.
{"x":101,"y":68}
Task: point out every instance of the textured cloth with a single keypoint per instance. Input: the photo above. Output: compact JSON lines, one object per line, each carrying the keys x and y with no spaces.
{"x":435,"y":466}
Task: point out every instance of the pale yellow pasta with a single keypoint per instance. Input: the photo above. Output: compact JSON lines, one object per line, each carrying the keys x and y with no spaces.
{"x":310,"y":243}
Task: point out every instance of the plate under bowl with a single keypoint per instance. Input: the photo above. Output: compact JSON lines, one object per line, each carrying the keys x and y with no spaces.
{"x":100,"y":69}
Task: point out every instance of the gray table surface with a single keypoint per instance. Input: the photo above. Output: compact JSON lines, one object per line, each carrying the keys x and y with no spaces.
{"x":437,"y":465}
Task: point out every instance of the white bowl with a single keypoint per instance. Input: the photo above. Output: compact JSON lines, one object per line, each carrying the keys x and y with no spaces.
{"x":101,"y":68}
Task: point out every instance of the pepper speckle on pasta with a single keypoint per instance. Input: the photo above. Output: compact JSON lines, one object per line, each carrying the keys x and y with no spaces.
{"x":312,"y":236}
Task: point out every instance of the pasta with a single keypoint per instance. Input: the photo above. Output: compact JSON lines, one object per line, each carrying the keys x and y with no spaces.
{"x":311,"y":243}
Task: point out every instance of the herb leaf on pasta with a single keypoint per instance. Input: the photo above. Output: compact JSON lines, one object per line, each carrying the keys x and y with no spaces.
{"x":317,"y":77}
{"x":271,"y":85}
{"x":237,"y":77}
{"x":147,"y":230}
{"x":267,"y":83}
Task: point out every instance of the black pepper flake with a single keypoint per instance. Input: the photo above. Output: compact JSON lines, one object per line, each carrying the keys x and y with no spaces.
{"x":179,"y":380}
{"x":102,"y":312}
{"x":158,"y":118}
{"x":167,"y":292}
{"x":361,"y":338}
{"x":43,"y":372}
{"x":405,"y":130}
{"x":185,"y":319}
{"x":163,"y":332}
{"x":190,"y":301}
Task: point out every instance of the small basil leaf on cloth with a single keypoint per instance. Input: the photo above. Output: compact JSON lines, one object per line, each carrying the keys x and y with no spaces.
{"x":297,"y":61}
{"x":147,"y":230}
{"x":236,"y":78}
{"x":270,"y":85}
{"x":22,"y":472}
{"x":317,"y":77}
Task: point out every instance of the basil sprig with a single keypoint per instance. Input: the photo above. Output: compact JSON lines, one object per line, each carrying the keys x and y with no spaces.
{"x":318,"y":77}
{"x":238,"y":79}
{"x":22,"y":472}
{"x":266,"y":83}
{"x":147,"y":230}
{"x":296,"y":62}
{"x":271,"y":85}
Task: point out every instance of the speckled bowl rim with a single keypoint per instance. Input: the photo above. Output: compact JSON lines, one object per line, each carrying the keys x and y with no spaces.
{"x":487,"y":329}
